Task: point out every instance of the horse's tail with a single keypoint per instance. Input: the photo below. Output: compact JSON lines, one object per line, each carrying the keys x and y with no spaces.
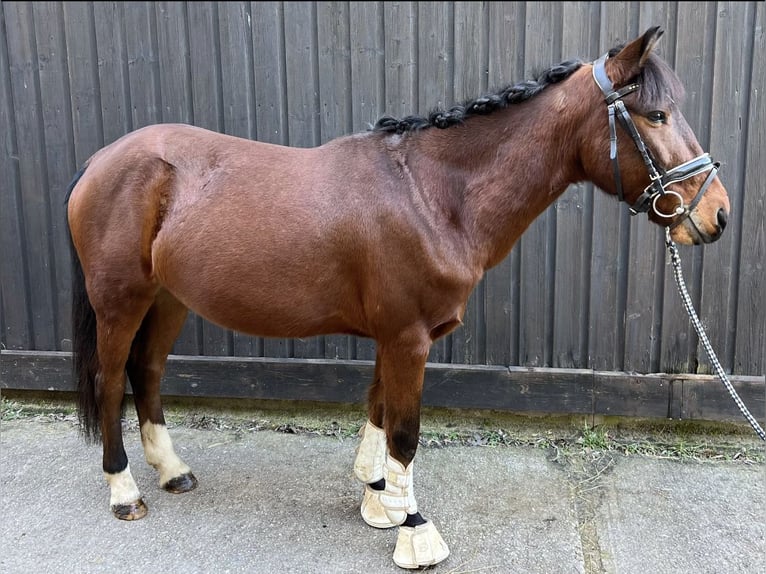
{"x":84,"y":356}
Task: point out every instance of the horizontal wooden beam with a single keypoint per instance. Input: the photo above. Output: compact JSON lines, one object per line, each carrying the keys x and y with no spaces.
{"x":510,"y":389}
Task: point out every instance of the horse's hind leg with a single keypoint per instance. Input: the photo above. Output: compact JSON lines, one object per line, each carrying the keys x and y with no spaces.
{"x":145,"y":367}
{"x":115,"y":331}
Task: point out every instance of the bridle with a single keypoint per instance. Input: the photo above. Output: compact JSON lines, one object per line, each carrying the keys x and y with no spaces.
{"x":659,"y":177}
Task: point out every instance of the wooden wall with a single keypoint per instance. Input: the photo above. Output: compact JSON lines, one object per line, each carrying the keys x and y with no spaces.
{"x":587,"y":286}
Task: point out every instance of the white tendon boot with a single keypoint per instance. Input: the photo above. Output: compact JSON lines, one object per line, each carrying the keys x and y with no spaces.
{"x":418,"y":546}
{"x":368,"y":468}
{"x":398,"y":498}
{"x":370,"y":454}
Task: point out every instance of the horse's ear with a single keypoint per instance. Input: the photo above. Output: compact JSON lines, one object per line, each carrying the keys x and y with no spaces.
{"x":628,"y":61}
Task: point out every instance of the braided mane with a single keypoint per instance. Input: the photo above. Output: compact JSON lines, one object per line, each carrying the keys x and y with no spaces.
{"x":481,"y":106}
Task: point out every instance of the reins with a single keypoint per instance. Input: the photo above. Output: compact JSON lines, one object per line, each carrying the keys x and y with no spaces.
{"x":687,"y":302}
{"x":648,"y":200}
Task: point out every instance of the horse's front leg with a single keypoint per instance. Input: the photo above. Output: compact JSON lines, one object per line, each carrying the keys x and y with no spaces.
{"x":400,"y":368}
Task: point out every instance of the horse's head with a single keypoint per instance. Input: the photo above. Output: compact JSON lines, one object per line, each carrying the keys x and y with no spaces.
{"x":645,"y":152}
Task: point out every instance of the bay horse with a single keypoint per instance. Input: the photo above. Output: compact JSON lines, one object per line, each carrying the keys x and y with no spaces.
{"x":382,"y":234}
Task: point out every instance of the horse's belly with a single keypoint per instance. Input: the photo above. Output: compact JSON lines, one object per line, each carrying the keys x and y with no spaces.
{"x":267,"y":298}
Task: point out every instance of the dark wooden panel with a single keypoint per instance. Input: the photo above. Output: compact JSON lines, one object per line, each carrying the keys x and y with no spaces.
{"x":79,"y":73}
{"x":620,"y":394}
{"x":501,"y":284}
{"x":16,"y":332}
{"x":694,"y":66}
{"x":206,"y":86}
{"x":113,"y":76}
{"x":143,"y":64}
{"x":177,"y":104}
{"x":706,"y":397}
{"x":270,"y":99}
{"x":643,"y":305}
{"x":611,"y":229}
{"x":238,"y":105}
{"x":401,"y":27}
{"x":519,"y":390}
{"x":53,"y":52}
{"x":750,"y":344}
{"x":335,"y":105}
{"x":303,"y":108}
{"x":574,"y":219}
{"x":436,"y":48}
{"x":435,"y":55}
{"x":30,"y":147}
{"x":471,"y":69}
{"x":536,"y":246}
{"x":368,"y":96}
{"x":514,"y":389}
{"x":174,"y":62}
{"x":731,"y":78}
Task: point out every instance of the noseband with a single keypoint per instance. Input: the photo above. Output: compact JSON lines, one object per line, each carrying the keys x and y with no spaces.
{"x":658,"y":176}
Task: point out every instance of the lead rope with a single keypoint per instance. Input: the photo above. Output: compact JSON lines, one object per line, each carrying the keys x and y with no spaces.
{"x":676,"y":260}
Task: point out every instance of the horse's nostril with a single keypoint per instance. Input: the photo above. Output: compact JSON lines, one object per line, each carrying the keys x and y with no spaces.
{"x":723,"y":218}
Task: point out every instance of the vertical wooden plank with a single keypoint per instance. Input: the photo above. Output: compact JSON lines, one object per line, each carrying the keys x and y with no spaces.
{"x":237,"y":76}
{"x":16,"y":325}
{"x":367,"y":96}
{"x":176,"y":97}
{"x":574,"y":217}
{"x":643,"y":306}
{"x":436,"y":49}
{"x":84,"y":135}
{"x":335,"y":111}
{"x":269,"y":72}
{"x":85,"y":95}
{"x":400,"y":22}
{"x":542,"y":49}
{"x":750,"y":345}
{"x":175,"y":62}
{"x":238,"y":103}
{"x":30,"y":147}
{"x":734,"y":36}
{"x":694,"y":67}
{"x":367,"y":44}
{"x":56,"y":112}
{"x":611,"y":229}
{"x":143,"y":64}
{"x":506,"y":66}
{"x":471,"y":71}
{"x":435,"y":52}
{"x":207,"y":113}
{"x":113,"y":75}
{"x":303,"y":119}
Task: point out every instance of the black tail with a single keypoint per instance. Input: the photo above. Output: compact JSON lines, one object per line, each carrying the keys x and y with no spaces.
{"x":84,"y":358}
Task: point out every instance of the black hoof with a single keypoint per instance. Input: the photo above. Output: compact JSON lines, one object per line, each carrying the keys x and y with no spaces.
{"x":181,"y":484}
{"x":133,"y":511}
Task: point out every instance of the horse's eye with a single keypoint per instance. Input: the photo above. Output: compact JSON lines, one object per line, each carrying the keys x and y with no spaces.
{"x":656,"y":117}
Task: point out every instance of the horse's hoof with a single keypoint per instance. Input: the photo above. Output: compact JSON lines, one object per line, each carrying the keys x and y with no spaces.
{"x":418,"y":546}
{"x":181,"y":484}
{"x":373,"y":512}
{"x":132,"y":511}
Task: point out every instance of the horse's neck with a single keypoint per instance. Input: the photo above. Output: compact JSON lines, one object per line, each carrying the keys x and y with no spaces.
{"x":505,"y":169}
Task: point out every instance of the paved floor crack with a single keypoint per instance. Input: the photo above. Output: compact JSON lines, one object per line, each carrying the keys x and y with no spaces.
{"x":585,"y":471}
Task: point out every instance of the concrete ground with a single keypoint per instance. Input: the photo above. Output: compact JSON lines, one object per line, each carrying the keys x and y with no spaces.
{"x":276,"y":495}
